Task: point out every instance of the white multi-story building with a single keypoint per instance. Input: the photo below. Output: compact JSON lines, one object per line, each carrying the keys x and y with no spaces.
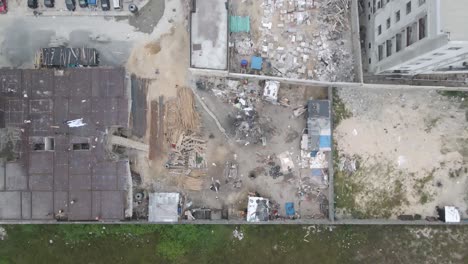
{"x":417,"y":36}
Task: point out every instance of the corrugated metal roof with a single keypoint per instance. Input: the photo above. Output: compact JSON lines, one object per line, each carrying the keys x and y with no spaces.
{"x":163,"y":207}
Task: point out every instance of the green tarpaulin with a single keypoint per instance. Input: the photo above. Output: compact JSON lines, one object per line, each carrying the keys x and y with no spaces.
{"x":239,"y":24}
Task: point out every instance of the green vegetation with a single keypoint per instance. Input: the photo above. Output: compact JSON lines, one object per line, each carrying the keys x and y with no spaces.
{"x":339,"y":109}
{"x":420,"y":188}
{"x":385,"y":203}
{"x":457,"y":94}
{"x":215,"y":244}
{"x":349,"y":185}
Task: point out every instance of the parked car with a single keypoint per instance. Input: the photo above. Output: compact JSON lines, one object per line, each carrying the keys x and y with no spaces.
{"x":3,"y":6}
{"x":83,"y":3}
{"x":105,"y":5}
{"x":49,"y":3}
{"x":32,"y":3}
{"x":71,"y":5}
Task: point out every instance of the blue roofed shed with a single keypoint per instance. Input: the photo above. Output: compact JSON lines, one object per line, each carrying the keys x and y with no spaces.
{"x":256,"y":63}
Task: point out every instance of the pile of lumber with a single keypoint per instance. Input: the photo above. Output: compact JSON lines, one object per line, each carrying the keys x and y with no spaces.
{"x":181,"y":116}
{"x":188,"y":152}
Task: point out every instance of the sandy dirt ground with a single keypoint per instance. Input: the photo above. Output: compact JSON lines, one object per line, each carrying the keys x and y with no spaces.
{"x":162,"y":59}
{"x":401,"y":152}
{"x":285,"y":137}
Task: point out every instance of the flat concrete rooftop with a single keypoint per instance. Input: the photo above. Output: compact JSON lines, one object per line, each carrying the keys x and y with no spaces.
{"x":208,"y":34}
{"x":73,"y":174}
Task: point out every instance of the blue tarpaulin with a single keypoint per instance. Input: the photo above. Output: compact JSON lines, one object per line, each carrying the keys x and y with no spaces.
{"x":256,"y":63}
{"x":289,"y":209}
{"x":239,"y":24}
{"x":324,"y":142}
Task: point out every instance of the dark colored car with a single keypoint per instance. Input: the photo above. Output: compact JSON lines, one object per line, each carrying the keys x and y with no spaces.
{"x":32,"y":3}
{"x":83,"y":3}
{"x":3,"y":6}
{"x":71,"y":5}
{"x":49,"y":3}
{"x":105,"y":5}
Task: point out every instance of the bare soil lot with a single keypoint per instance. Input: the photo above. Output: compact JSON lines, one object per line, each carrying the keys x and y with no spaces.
{"x":400,"y":152}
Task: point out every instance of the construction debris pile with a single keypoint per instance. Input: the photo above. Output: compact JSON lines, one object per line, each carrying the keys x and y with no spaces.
{"x":60,"y":57}
{"x":188,"y":152}
{"x":231,"y":174}
{"x":275,"y":166}
{"x":335,"y":62}
{"x":181,"y":127}
{"x":299,"y":39}
{"x":247,"y":126}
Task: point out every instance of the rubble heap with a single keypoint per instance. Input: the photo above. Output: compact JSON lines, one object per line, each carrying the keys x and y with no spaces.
{"x":301,"y":39}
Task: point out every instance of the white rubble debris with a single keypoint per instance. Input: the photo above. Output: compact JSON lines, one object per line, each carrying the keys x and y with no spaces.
{"x":3,"y":233}
{"x":302,"y":39}
{"x":76,"y":123}
{"x":238,"y":234}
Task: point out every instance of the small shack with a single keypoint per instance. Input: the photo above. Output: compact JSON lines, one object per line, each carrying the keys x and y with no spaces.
{"x":270,"y":93}
{"x":258,"y":209}
{"x":163,"y":207}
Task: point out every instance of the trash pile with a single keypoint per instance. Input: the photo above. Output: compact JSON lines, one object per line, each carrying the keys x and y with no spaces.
{"x":231,"y":174}
{"x":275,"y":166}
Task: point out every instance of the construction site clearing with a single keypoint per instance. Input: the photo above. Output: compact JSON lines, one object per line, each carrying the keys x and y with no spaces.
{"x":230,"y":149}
{"x":301,"y":39}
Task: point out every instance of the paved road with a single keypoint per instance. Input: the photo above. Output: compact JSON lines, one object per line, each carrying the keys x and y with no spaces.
{"x":22,"y":35}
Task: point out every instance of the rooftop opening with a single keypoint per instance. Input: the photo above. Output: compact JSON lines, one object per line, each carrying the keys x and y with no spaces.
{"x":81,"y":146}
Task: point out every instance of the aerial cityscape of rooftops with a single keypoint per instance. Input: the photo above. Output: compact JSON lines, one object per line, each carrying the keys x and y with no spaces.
{"x":218,"y":111}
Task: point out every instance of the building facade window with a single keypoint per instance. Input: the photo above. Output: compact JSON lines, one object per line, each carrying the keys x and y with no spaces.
{"x":379,"y":29}
{"x":389,"y":22}
{"x":389,"y":47}
{"x":422,"y":2}
{"x":408,"y":7}
{"x":422,"y":27}
{"x":381,"y":54}
{"x":398,"y":41}
{"x":397,"y":16}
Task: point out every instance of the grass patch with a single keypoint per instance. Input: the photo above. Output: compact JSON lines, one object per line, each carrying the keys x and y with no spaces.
{"x":348,"y":186}
{"x":344,"y":186}
{"x":457,"y":94}
{"x":340,"y":112}
{"x":386,"y":202}
{"x":460,"y":94}
{"x":420,"y":188}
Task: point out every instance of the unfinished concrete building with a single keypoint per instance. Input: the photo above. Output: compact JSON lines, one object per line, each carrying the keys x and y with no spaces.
{"x":208,"y":34}
{"x":54,"y":164}
{"x":416,"y":36}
